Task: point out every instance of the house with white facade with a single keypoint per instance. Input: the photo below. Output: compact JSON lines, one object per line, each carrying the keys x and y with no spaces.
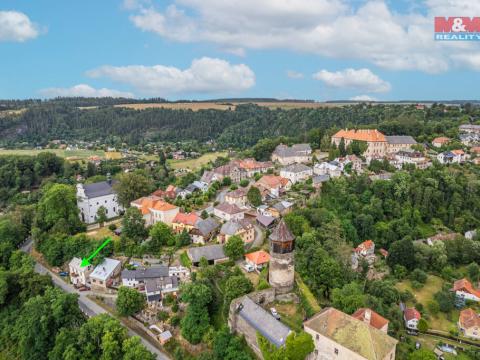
{"x":411,"y":316}
{"x":136,"y":278}
{"x":332,"y":168}
{"x":104,"y":273}
{"x":237,"y":197}
{"x":296,"y":172}
{"x":452,"y":157}
{"x":464,"y":289}
{"x":79,"y":276}
{"x":90,"y":197}
{"x":154,"y":209}
{"x":297,"y":153}
{"x":228,"y":212}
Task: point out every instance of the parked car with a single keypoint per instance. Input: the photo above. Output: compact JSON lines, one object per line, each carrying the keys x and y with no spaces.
{"x":249,"y":267}
{"x":275,"y":313}
{"x":84,"y":288}
{"x":63,"y":273}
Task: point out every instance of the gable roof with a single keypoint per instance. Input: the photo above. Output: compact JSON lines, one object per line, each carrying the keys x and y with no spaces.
{"x":265,"y":220}
{"x":295,"y":150}
{"x":272,"y":181}
{"x":370,"y":317}
{"x":229,"y":208}
{"x":98,"y":189}
{"x":146,"y":273}
{"x":205,"y":227}
{"x":441,"y":140}
{"x":411,"y":313}
{"x":147,"y":203}
{"x":238,"y":193}
{"x":465,"y":286}
{"x":258,"y":318}
{"x":400,"y":139}
{"x":355,"y":335}
{"x":296,"y":168}
{"x":366,"y":245}
{"x":258,"y":257}
{"x":105,"y":269}
{"x":361,"y":135}
{"x":209,"y":252}
{"x":469,"y":318}
{"x":233,"y":227}
{"x":186,"y":219}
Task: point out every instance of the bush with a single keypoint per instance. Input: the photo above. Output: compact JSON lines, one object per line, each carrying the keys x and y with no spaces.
{"x":112,"y":227}
{"x":419,"y":306}
{"x":419,"y":276}
{"x":175,"y":320}
{"x":416,"y":285}
{"x":433,"y":307}
{"x":175,"y":307}
{"x":422,"y":325}
{"x":244,"y":183}
{"x":168,"y":300}
{"x":162,"y":315}
{"x":262,"y":285}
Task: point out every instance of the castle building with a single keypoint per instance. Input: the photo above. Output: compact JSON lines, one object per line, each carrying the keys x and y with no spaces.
{"x":281,"y":270}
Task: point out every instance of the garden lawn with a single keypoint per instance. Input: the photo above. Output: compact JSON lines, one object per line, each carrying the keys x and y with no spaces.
{"x":425,"y":294}
{"x":102,"y":233}
{"x":194,"y":164}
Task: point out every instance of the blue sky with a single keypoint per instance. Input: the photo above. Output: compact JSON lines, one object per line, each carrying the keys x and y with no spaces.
{"x":200,"y":49}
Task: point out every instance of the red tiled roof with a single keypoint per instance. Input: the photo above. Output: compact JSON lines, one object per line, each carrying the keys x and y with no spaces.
{"x":258,"y":257}
{"x":475,"y":149}
{"x":272,"y":181}
{"x":229,"y":208}
{"x":441,"y":140}
{"x":361,"y":135}
{"x":366,"y":245}
{"x":186,"y":219}
{"x":152,"y":202}
{"x":465,"y":286}
{"x":376,"y":320}
{"x":469,"y":318}
{"x":458,"y":152}
{"x":412,"y":313}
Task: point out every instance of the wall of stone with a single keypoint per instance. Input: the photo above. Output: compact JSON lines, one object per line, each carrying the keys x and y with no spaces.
{"x":281,"y":274}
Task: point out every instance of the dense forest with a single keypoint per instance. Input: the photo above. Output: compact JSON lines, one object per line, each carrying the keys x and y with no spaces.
{"x":239,"y":128}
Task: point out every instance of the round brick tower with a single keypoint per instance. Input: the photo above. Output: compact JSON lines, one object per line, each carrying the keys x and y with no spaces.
{"x":281,"y":274}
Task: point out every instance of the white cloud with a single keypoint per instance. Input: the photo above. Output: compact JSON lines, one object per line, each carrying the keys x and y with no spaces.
{"x":361,"y":79}
{"x":292,"y":74}
{"x":83,"y":90}
{"x":16,"y":26}
{"x":363,"y":98}
{"x":369,"y":32}
{"x":205,"y":75}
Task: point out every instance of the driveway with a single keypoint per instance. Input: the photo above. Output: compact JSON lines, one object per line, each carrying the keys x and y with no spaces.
{"x":87,"y":306}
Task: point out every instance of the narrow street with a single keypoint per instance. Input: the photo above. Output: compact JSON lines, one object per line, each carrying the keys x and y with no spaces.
{"x":87,"y":306}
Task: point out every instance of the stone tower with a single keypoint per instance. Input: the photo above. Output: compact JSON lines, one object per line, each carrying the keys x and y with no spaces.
{"x":281,"y":274}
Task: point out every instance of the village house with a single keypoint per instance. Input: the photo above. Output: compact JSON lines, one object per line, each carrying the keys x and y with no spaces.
{"x":398,"y":143}
{"x":169,"y":193}
{"x":90,"y":197}
{"x":248,"y":318}
{"x":237,"y":197}
{"x":318,"y":180}
{"x":204,"y":230}
{"x":364,"y":251}
{"x":296,"y":172}
{"x":252,"y":166}
{"x":184,"y":221}
{"x":214,"y":254}
{"x":242,"y":228}
{"x":411,"y":157}
{"x":156,"y":288}
{"x":469,"y":128}
{"x":440,"y":237}
{"x":372,"y":318}
{"x":411,"y":316}
{"x":464,"y":290}
{"x":298,"y":153}
{"x":103,"y":275}
{"x":440,"y":141}
{"x":265,"y":221}
{"x":234,"y":172}
{"x":258,"y":259}
{"x":154,"y":209}
{"x":136,"y":278}
{"x":452,"y":157}
{"x":275,"y":186}
{"x":337,"y":335}
{"x":355,"y":161}
{"x":228,"y":212}
{"x":280,"y":208}
{"x":332,"y":169}
{"x":469,"y":323}
{"x":209,"y":177}
{"x":79,"y":276}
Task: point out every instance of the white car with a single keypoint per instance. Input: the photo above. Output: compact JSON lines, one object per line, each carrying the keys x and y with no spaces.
{"x":275,"y":313}
{"x":248,"y":267}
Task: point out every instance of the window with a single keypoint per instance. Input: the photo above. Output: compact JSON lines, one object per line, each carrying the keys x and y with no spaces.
{"x":336,"y":351}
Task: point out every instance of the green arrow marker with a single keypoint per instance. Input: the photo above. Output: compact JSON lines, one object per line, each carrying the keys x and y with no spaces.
{"x":86,"y":262}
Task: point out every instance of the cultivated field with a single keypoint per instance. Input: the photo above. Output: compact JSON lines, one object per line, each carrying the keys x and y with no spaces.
{"x":194,"y":164}
{"x":73,"y":154}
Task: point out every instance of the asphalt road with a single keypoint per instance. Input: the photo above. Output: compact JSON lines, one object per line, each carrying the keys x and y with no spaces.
{"x":87,"y":306}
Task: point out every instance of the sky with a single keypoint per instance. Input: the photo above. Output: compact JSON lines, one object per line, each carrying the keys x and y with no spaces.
{"x":203,"y":49}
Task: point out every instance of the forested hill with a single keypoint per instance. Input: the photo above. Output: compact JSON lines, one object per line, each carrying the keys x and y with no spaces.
{"x":242,"y":127}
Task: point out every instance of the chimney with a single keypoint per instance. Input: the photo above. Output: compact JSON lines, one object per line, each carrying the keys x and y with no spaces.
{"x":368,"y":316}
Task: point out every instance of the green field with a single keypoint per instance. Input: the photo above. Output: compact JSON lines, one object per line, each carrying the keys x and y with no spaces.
{"x":82,"y":154}
{"x":194,"y":164}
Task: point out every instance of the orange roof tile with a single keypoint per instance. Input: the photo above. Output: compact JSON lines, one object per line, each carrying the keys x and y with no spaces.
{"x":411,"y":313}
{"x":466,"y":286}
{"x":366,"y":245}
{"x":272,"y":181}
{"x":458,"y":152}
{"x":258,"y":257}
{"x":361,"y":135}
{"x":186,"y":219}
{"x":469,"y":318}
{"x":441,"y":140}
{"x":376,"y":320}
{"x":475,"y":149}
{"x":152,"y":202}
